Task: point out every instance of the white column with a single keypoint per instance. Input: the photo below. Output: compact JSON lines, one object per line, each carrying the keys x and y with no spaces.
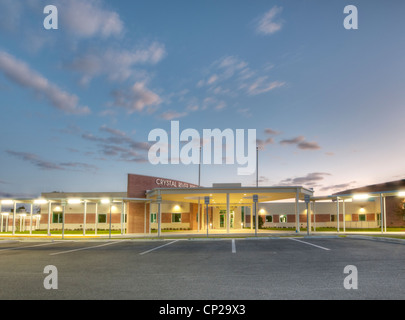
{"x":84,"y":218}
{"x":49,"y":217}
{"x":96,"y":222}
{"x":313,"y":204}
{"x":297,"y":212}
{"x":251,"y":216}
{"x":198,"y":215}
{"x":123,"y":216}
{"x":1,"y":227}
{"x":382,"y":213}
{"x":344,"y":216}
{"x":159,"y":202}
{"x":385,"y":216}
{"x":145,"y":217}
{"x":14,"y":214}
{"x":31,"y":217}
{"x":337,"y":208}
{"x":228,"y":214}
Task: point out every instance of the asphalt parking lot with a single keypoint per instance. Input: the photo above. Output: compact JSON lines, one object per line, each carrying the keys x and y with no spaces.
{"x":228,"y":269}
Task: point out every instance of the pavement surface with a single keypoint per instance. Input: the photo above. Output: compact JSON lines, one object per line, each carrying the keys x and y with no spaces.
{"x":212,"y":269}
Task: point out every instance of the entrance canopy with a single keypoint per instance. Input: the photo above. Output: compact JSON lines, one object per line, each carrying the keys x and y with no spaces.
{"x":238,"y":195}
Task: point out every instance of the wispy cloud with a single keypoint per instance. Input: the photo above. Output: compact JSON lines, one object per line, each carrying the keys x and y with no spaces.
{"x":89,"y":18}
{"x":137,"y":98}
{"x":171,"y":115}
{"x":20,"y":73}
{"x":47,"y":165}
{"x":301,"y":143}
{"x":311,"y":179}
{"x":268,"y":23}
{"x":262,"y":85}
{"x":117,"y":65}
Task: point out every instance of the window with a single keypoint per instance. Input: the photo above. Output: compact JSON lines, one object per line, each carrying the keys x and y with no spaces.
{"x":176,"y":217}
{"x":102,"y":218}
{"x":332,"y":218}
{"x":362,"y":217}
{"x":283,"y":219}
{"x":269,"y":218}
{"x":57,"y":217}
{"x":153,"y":217}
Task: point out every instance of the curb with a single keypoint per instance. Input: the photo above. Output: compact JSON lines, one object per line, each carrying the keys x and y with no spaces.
{"x":380,"y":239}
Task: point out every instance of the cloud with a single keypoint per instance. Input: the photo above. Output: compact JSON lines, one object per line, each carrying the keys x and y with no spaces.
{"x":342,"y":186}
{"x":171,"y":115}
{"x":263,"y":86}
{"x":266,"y":24}
{"x":309,"y":180}
{"x":137,"y":98}
{"x":87,"y":19}
{"x":262,"y":143}
{"x":271,"y":131}
{"x":46,"y":165}
{"x":301,"y":143}
{"x":308,"y":145}
{"x":21,"y":74}
{"x":117,"y":65}
{"x":292,"y":141}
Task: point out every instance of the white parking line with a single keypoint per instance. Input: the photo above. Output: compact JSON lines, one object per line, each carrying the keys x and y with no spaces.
{"x":27,"y":247}
{"x":310,"y":244}
{"x":233,"y":246}
{"x":87,"y":248}
{"x":158,"y":247}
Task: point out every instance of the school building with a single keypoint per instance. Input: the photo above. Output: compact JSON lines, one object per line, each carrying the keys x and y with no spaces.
{"x":152,"y":205}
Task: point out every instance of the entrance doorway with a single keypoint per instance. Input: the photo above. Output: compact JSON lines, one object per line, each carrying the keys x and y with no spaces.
{"x":222,"y":218}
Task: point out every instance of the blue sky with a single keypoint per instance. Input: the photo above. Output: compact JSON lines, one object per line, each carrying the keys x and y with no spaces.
{"x":79,"y":102}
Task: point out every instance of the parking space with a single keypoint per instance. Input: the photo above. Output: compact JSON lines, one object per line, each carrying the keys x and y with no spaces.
{"x":242,"y":269}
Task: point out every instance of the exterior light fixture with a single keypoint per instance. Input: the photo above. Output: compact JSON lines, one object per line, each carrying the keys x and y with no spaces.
{"x":40,"y":201}
{"x":361,"y":196}
{"x":74,"y":201}
{"x":7,"y":201}
{"x":401,"y":194}
{"x":105,"y":201}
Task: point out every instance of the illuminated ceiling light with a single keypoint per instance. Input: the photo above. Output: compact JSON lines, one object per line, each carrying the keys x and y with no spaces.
{"x":40,"y":201}
{"x":401,"y":194}
{"x":7,"y":201}
{"x":361,"y":196}
{"x":74,"y":201}
{"x":105,"y":201}
{"x":177,"y":207}
{"x":362,"y":210}
{"x":6,"y":214}
{"x":58,"y":209}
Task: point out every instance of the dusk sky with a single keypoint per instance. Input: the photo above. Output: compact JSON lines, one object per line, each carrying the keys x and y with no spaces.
{"x":77,"y":103}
